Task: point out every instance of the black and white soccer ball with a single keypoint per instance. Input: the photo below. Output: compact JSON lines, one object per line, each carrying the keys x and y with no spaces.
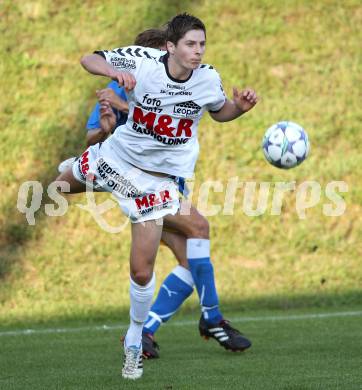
{"x":286,"y":145}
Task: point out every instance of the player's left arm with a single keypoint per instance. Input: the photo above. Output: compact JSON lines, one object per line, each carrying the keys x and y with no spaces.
{"x":107,"y":117}
{"x":242,"y":102}
{"x":115,"y":100}
{"x":107,"y":122}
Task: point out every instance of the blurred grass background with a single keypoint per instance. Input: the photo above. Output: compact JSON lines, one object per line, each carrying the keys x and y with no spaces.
{"x":302,"y":57}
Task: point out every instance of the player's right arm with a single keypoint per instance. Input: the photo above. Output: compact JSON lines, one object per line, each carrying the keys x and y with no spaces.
{"x":96,"y":64}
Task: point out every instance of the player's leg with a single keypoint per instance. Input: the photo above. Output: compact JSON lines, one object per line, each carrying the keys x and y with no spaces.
{"x":145,"y":241}
{"x":176,"y":242}
{"x":175,"y":289}
{"x":77,"y":172}
{"x":196,"y":229}
{"x":75,"y":185}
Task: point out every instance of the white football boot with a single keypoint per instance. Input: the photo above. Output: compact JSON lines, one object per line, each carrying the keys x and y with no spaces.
{"x":132,"y":362}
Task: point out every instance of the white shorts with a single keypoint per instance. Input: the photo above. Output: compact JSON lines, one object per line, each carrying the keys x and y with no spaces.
{"x":141,"y":196}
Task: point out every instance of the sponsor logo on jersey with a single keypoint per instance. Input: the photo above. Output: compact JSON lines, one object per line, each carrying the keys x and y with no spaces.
{"x":150,"y":104}
{"x":123,"y":63}
{"x":83,"y":167}
{"x":176,"y":93}
{"x":151,"y":101}
{"x":162,"y":127}
{"x":148,"y":108}
{"x":152,"y":202}
{"x":187,"y":109}
{"x":83,"y":163}
{"x":175,"y":86}
{"x":117,"y":182}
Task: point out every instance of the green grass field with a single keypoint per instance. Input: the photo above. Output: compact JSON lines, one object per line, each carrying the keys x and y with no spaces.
{"x":304,"y":59}
{"x":301,"y":350}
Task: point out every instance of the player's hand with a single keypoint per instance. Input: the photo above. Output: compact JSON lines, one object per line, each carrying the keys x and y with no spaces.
{"x":115,"y":101}
{"x":124,"y":79}
{"x":246,"y":99}
{"x":107,"y":118}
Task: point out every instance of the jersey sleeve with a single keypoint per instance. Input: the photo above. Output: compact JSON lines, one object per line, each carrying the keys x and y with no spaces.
{"x":93,"y":120}
{"x":218,"y":94}
{"x":127,"y":59}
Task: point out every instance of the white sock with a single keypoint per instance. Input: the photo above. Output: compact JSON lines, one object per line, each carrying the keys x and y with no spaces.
{"x":141,"y":300}
{"x":197,"y":248}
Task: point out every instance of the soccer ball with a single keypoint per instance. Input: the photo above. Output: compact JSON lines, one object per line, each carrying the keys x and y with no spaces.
{"x":286,"y":145}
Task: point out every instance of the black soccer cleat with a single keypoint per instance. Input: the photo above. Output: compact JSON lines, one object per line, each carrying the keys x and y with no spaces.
{"x":149,"y":346}
{"x":227,"y":336}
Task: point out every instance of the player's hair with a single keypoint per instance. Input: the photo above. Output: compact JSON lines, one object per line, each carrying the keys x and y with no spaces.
{"x":153,"y":37}
{"x":178,"y":26}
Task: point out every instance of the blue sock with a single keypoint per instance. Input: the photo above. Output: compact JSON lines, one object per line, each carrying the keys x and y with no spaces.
{"x":175,"y":289}
{"x":198,"y":255}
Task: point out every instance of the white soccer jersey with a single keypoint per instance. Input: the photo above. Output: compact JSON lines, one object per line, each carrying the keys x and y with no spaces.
{"x":161,"y":131}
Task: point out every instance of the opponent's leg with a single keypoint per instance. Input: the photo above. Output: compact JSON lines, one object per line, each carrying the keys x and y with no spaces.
{"x":75,"y":185}
{"x":176,"y":242}
{"x":145,"y":241}
{"x":175,"y":289}
{"x":196,"y":229}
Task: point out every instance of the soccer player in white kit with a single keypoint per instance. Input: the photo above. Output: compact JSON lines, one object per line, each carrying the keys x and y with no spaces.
{"x":140,"y":161}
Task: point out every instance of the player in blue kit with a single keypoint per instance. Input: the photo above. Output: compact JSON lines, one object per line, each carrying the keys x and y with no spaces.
{"x":167,"y":96}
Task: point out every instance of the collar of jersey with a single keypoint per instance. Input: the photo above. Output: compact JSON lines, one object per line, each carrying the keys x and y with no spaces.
{"x":164,"y":59}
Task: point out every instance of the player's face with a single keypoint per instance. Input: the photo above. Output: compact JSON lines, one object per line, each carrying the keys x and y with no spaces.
{"x":189,"y":49}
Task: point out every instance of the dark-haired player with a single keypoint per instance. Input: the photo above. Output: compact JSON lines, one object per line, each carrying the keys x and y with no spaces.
{"x":167,"y":96}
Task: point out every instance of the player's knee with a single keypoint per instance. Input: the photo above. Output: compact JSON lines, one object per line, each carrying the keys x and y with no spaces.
{"x":141,"y":277}
{"x":200,"y":228}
